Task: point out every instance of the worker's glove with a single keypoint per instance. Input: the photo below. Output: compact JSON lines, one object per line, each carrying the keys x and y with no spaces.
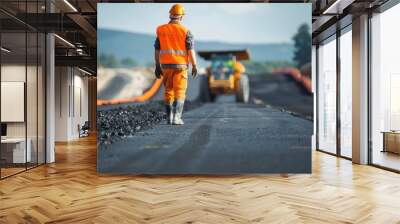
{"x":158,"y":71}
{"x":194,"y":70}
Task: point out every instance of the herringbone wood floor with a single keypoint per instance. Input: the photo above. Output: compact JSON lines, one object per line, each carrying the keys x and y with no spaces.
{"x":70,"y":191}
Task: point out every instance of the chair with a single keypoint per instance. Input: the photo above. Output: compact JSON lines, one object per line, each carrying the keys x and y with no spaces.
{"x":84,"y":130}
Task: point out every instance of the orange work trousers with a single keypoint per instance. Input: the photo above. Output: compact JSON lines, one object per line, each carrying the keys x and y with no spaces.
{"x":175,"y":84}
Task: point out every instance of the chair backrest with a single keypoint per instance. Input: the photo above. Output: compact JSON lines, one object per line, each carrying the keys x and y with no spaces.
{"x":86,"y":125}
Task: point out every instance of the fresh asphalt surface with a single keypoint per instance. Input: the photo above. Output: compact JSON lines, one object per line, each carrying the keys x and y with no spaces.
{"x":282,"y":91}
{"x":217,"y":138}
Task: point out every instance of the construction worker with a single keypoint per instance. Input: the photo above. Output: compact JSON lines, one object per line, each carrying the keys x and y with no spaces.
{"x":173,"y":53}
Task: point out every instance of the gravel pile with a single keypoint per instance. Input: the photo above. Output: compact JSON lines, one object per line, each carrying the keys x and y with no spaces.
{"x":117,"y":123}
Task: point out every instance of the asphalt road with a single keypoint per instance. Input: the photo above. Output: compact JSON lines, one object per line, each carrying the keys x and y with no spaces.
{"x":282,"y":92}
{"x":279,"y":91}
{"x":217,"y":138}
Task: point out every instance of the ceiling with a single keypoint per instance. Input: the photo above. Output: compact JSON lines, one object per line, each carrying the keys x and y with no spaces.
{"x":328,"y":15}
{"x":73,"y":21}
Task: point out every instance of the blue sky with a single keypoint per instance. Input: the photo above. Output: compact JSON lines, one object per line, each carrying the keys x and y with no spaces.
{"x":227,"y":22}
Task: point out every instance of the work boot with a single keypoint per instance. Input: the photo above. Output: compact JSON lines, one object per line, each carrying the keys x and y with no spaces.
{"x":178,"y":112}
{"x":170,"y":115}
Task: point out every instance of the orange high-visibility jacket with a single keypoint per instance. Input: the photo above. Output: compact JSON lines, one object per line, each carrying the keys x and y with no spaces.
{"x":173,"y":52}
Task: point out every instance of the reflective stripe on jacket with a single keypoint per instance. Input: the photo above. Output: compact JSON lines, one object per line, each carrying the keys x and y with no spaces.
{"x":173,"y":49}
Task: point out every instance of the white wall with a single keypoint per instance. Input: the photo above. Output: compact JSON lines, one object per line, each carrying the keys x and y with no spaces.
{"x":70,"y":84}
{"x":62,"y":82}
{"x":12,"y":73}
{"x":79,"y":117}
{"x":33,"y":126}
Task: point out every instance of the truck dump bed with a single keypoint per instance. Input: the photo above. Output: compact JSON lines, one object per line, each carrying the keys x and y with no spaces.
{"x":239,"y":54}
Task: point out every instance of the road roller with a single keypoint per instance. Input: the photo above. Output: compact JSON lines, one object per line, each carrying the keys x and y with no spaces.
{"x":225,"y":75}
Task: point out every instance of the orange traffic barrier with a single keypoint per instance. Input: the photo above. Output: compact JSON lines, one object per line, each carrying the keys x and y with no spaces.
{"x":142,"y":98}
{"x":296,"y":75}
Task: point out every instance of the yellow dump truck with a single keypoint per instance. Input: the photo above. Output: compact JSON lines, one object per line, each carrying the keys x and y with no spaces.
{"x":225,"y":75}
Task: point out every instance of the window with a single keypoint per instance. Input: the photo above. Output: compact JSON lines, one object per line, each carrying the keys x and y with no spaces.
{"x":327,"y":96}
{"x":346,"y":93}
{"x":22,"y":89}
{"x":385,"y":89}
